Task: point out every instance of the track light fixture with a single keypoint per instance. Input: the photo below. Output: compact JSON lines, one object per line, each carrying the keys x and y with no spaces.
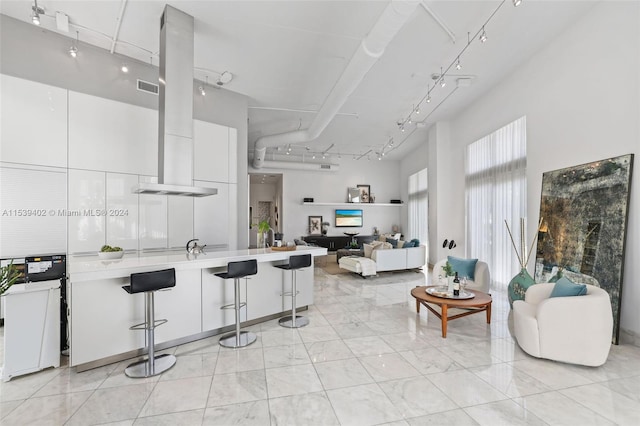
{"x":36,"y":11}
{"x":483,"y":36}
{"x":201,"y":89}
{"x":124,"y":68}
{"x":73,"y":50}
{"x":458,"y":64}
{"x":517,"y":3}
{"x":417,"y":110}
{"x":442,"y":82}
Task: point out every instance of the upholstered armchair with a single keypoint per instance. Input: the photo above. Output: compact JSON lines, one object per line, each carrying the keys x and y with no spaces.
{"x":481,"y":277}
{"x":573,"y":329}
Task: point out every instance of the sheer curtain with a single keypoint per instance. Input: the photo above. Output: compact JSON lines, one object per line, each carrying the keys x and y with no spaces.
{"x":495,"y":186}
{"x":418,"y":208}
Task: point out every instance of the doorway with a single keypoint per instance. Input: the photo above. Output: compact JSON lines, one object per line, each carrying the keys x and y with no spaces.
{"x":265,"y":203}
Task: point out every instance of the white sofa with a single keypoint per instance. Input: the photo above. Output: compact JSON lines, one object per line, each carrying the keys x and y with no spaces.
{"x":399,"y":258}
{"x":574,"y":329}
{"x":481,"y":277}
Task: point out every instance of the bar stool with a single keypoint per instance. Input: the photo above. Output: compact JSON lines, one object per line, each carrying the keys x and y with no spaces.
{"x":148,"y":283}
{"x":237,"y":270}
{"x":295,"y":263}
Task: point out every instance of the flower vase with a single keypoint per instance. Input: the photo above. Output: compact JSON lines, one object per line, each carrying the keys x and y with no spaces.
{"x":518,"y":286}
{"x":450,"y":284}
{"x":262,"y":240}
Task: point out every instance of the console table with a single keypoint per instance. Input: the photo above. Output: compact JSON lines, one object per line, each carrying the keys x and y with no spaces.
{"x":333,"y":243}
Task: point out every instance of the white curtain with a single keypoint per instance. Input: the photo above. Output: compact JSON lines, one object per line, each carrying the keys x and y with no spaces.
{"x":419,"y":209}
{"x":496,"y":191}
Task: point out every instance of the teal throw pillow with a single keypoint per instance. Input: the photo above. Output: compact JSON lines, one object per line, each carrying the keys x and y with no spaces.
{"x":408,"y":244}
{"x":464,"y":267}
{"x":416,"y":242}
{"x":393,"y":242}
{"x":565,"y":287}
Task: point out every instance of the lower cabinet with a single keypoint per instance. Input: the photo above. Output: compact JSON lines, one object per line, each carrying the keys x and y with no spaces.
{"x":330,"y":243}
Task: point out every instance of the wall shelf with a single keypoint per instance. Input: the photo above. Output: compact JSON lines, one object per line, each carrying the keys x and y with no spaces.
{"x":353,"y":204}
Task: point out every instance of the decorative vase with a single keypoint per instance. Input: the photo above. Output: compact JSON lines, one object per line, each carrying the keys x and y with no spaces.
{"x":450,"y":283}
{"x":518,"y":286}
{"x":262,"y":240}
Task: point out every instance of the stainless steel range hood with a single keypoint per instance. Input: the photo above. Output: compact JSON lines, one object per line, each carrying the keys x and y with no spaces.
{"x":175,"y":132}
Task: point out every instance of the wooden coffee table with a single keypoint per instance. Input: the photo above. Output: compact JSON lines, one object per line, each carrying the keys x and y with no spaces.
{"x":481,"y":302}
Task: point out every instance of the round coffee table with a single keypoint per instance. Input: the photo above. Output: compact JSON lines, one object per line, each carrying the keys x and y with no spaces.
{"x":480,"y":302}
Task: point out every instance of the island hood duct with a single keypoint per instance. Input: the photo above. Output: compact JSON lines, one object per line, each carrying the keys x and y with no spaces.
{"x":175,"y":132}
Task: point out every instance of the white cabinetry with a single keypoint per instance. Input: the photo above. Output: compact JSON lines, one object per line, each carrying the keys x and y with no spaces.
{"x":152,"y":219}
{"x":211,"y":152}
{"x":180,"y":305}
{"x":211,"y":216}
{"x":112,"y":136}
{"x":122,"y":211}
{"x":34,"y":123}
{"x":86,"y":206}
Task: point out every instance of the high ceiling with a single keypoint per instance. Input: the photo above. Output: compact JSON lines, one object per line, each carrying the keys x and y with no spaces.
{"x":286,"y":56}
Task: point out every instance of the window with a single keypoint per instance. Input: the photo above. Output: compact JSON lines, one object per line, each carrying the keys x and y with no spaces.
{"x":418,"y":208}
{"x":495,"y":186}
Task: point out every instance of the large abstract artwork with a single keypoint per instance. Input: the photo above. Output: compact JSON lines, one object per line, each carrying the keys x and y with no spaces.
{"x":582,"y":235}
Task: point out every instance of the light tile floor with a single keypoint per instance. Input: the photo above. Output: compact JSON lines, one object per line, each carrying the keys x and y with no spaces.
{"x":366,"y":358}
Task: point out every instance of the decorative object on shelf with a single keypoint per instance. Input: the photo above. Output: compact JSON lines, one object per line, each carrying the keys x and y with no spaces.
{"x":109,"y":253}
{"x":586,"y":209}
{"x":9,"y":274}
{"x":315,"y":225}
{"x":325,"y":227}
{"x":444,"y":243}
{"x":263,"y":233}
{"x":307,"y":200}
{"x":365,"y":193}
{"x":353,"y":195}
{"x":519,"y":284}
{"x":372,"y":198}
{"x":395,"y":202}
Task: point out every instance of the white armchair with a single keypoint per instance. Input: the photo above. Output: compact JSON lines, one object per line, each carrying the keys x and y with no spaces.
{"x":573,"y":329}
{"x":481,"y":280}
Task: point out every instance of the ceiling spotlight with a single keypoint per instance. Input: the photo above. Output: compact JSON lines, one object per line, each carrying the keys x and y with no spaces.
{"x":402,"y":128}
{"x":224,"y":78}
{"x":483,"y":36}
{"x":417,"y":110}
{"x":458,"y":64}
{"x":73,"y":50}
{"x":442,"y":82}
{"x":35,"y":13}
{"x":313,"y":156}
{"x":517,"y":3}
{"x":428,"y":98}
{"x":410,"y":120}
{"x":202,"y":91}
{"x":124,"y":68}
{"x":379,"y":158}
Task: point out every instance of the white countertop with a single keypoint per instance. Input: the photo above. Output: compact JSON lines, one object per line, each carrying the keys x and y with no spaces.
{"x":85,"y":268}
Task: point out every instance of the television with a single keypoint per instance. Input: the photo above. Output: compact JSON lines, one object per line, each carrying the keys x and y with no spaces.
{"x":348,"y":218}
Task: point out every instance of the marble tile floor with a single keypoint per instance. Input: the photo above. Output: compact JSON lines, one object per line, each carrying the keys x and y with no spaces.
{"x":366,"y":358}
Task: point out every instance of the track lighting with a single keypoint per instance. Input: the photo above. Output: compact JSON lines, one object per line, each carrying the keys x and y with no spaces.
{"x":202,"y":91}
{"x":442,"y":82}
{"x":410,"y":120}
{"x":418,"y":109}
{"x":402,"y":128}
{"x":35,"y":13}
{"x":517,"y":3}
{"x":428,"y":98}
{"x":483,"y":36}
{"x":124,"y":68}
{"x":458,"y":64}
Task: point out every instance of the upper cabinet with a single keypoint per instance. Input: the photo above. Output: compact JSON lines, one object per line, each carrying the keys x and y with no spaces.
{"x":214,"y":148}
{"x":34,"y":123}
{"x":112,"y":136}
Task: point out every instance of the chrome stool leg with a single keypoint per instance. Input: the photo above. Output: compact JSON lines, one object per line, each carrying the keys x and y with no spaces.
{"x":237,"y":339}
{"x":153,"y":365}
{"x":293,"y":320}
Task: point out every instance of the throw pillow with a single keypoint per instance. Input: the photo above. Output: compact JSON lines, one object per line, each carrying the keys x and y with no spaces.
{"x":464,"y":267}
{"x":401,"y":243}
{"x":299,"y":242}
{"x":368,"y":249}
{"x":409,"y":244}
{"x":565,"y":287}
{"x":394,"y":243}
{"x":416,"y":242}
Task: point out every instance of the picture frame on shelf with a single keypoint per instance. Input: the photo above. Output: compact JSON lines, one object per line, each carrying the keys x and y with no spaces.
{"x":315,"y":225}
{"x":353,"y":195}
{"x":365,"y":193}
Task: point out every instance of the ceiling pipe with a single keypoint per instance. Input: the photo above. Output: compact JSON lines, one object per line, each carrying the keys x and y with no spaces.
{"x":439,"y":21}
{"x":290,"y":165}
{"x":116,"y":33}
{"x":372,"y":47}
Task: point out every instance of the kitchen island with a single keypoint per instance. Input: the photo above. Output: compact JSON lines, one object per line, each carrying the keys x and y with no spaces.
{"x":101,"y":312}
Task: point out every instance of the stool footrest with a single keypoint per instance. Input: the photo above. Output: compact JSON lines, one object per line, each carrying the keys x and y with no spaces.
{"x":143,"y":325}
{"x":233,"y":306}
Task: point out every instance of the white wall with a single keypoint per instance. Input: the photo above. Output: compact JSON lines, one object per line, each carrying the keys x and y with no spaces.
{"x":581,"y":98}
{"x":331,"y":187}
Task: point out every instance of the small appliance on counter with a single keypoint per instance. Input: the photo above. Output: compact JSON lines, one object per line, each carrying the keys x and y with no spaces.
{"x":35,"y":329}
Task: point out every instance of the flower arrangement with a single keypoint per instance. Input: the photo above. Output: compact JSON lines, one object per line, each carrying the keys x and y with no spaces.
{"x":8,"y":276}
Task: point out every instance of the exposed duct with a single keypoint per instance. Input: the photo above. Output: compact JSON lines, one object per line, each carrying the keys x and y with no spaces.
{"x":291,"y":165}
{"x":372,"y":47}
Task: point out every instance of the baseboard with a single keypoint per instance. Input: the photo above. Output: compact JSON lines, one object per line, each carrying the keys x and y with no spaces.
{"x":629,"y":337}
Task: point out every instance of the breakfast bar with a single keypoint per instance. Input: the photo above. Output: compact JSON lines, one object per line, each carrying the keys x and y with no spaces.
{"x":101,"y":312}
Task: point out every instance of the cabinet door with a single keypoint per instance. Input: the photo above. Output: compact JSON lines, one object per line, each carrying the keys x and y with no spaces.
{"x":180,"y":305}
{"x":264,"y":291}
{"x":112,"y":136}
{"x":216,"y":293}
{"x":87,"y":201}
{"x":211,"y":152}
{"x":211,"y":216}
{"x":34,"y":123}
{"x":122,"y":211}
{"x":101,"y":329}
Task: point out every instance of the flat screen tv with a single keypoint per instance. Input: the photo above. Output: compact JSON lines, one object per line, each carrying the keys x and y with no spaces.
{"x":348,"y":218}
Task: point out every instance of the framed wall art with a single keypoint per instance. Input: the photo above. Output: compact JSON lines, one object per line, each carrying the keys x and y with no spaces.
{"x":315,"y":225}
